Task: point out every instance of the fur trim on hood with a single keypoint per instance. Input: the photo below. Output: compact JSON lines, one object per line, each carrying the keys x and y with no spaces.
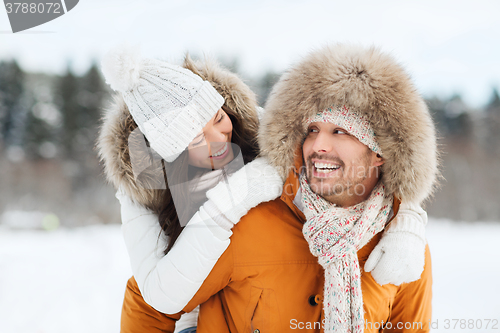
{"x":113,"y":140}
{"x":374,"y":84}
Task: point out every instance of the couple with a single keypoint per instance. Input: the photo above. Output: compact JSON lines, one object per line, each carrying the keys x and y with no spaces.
{"x":322,"y":232}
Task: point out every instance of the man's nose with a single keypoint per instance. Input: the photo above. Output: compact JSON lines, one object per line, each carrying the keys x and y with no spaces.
{"x":322,"y":143}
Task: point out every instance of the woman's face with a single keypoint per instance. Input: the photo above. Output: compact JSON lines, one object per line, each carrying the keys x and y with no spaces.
{"x":211,"y":148}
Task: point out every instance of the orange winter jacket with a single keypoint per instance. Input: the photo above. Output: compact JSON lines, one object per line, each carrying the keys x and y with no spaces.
{"x":268,"y":281}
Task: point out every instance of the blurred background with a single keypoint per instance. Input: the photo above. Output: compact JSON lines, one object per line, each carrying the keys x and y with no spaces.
{"x":53,"y":195}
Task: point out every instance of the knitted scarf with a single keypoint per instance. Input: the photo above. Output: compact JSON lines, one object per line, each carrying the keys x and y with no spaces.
{"x":335,"y":235}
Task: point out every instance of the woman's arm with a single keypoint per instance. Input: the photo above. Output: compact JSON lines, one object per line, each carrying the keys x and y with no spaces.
{"x":139,"y":317}
{"x":168,"y":282}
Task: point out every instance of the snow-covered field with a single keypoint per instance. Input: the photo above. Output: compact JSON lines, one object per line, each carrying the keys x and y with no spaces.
{"x":65,"y":281}
{"x":72,"y":280}
{"x":466,"y":275}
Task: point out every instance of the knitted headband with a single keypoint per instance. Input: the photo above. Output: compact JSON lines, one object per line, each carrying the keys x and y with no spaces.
{"x":350,"y":120}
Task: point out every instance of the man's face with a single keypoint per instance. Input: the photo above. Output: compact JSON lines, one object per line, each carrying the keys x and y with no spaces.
{"x":338,"y":166}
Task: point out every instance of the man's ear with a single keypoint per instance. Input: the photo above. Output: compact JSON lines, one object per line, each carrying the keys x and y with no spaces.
{"x":379,"y":160}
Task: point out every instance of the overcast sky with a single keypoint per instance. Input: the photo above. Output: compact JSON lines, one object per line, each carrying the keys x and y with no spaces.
{"x":447,"y":46}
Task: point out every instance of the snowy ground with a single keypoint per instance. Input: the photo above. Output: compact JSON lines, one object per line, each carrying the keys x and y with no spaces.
{"x":466,"y":271}
{"x":72,"y":280}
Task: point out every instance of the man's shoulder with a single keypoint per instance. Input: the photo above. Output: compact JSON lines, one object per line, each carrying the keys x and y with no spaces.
{"x":268,"y":227}
{"x":270,"y":214}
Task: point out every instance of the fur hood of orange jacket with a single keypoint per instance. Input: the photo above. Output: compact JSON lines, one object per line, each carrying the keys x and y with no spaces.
{"x":372,"y":83}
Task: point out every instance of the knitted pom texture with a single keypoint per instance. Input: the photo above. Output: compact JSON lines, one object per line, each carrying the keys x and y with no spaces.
{"x":121,"y":67}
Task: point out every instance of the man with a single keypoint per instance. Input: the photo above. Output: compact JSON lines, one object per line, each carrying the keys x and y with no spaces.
{"x":351,"y":136}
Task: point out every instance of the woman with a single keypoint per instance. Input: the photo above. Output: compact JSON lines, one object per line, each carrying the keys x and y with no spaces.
{"x":163,"y":279}
{"x":152,"y":191}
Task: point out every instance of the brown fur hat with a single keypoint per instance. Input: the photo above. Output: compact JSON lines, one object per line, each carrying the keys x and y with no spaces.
{"x":374,"y":84}
{"x":113,"y":141}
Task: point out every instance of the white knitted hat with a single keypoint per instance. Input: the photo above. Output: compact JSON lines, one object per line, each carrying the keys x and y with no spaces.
{"x":353,"y":122}
{"x":170,"y":104}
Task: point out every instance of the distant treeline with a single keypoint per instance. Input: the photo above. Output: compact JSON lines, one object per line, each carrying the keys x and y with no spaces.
{"x":49,"y":124}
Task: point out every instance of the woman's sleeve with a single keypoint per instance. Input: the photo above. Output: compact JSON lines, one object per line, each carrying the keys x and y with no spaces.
{"x":168,"y":282}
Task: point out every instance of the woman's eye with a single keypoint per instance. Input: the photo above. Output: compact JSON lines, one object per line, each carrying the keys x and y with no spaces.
{"x":313,"y":130}
{"x":220,"y":119}
{"x":339,"y":132}
{"x":199,"y":142}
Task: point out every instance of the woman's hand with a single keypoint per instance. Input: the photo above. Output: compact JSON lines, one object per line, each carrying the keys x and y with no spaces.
{"x":254,"y":183}
{"x":399,"y":257}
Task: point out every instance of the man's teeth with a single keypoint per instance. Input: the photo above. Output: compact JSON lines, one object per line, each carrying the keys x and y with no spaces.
{"x":220,"y":152}
{"x":325,"y":167}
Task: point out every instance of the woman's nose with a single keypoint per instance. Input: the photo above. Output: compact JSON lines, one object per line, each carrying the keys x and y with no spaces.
{"x":215,"y":136}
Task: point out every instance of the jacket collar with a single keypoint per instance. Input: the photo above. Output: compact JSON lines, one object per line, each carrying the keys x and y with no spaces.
{"x":292,"y":185}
